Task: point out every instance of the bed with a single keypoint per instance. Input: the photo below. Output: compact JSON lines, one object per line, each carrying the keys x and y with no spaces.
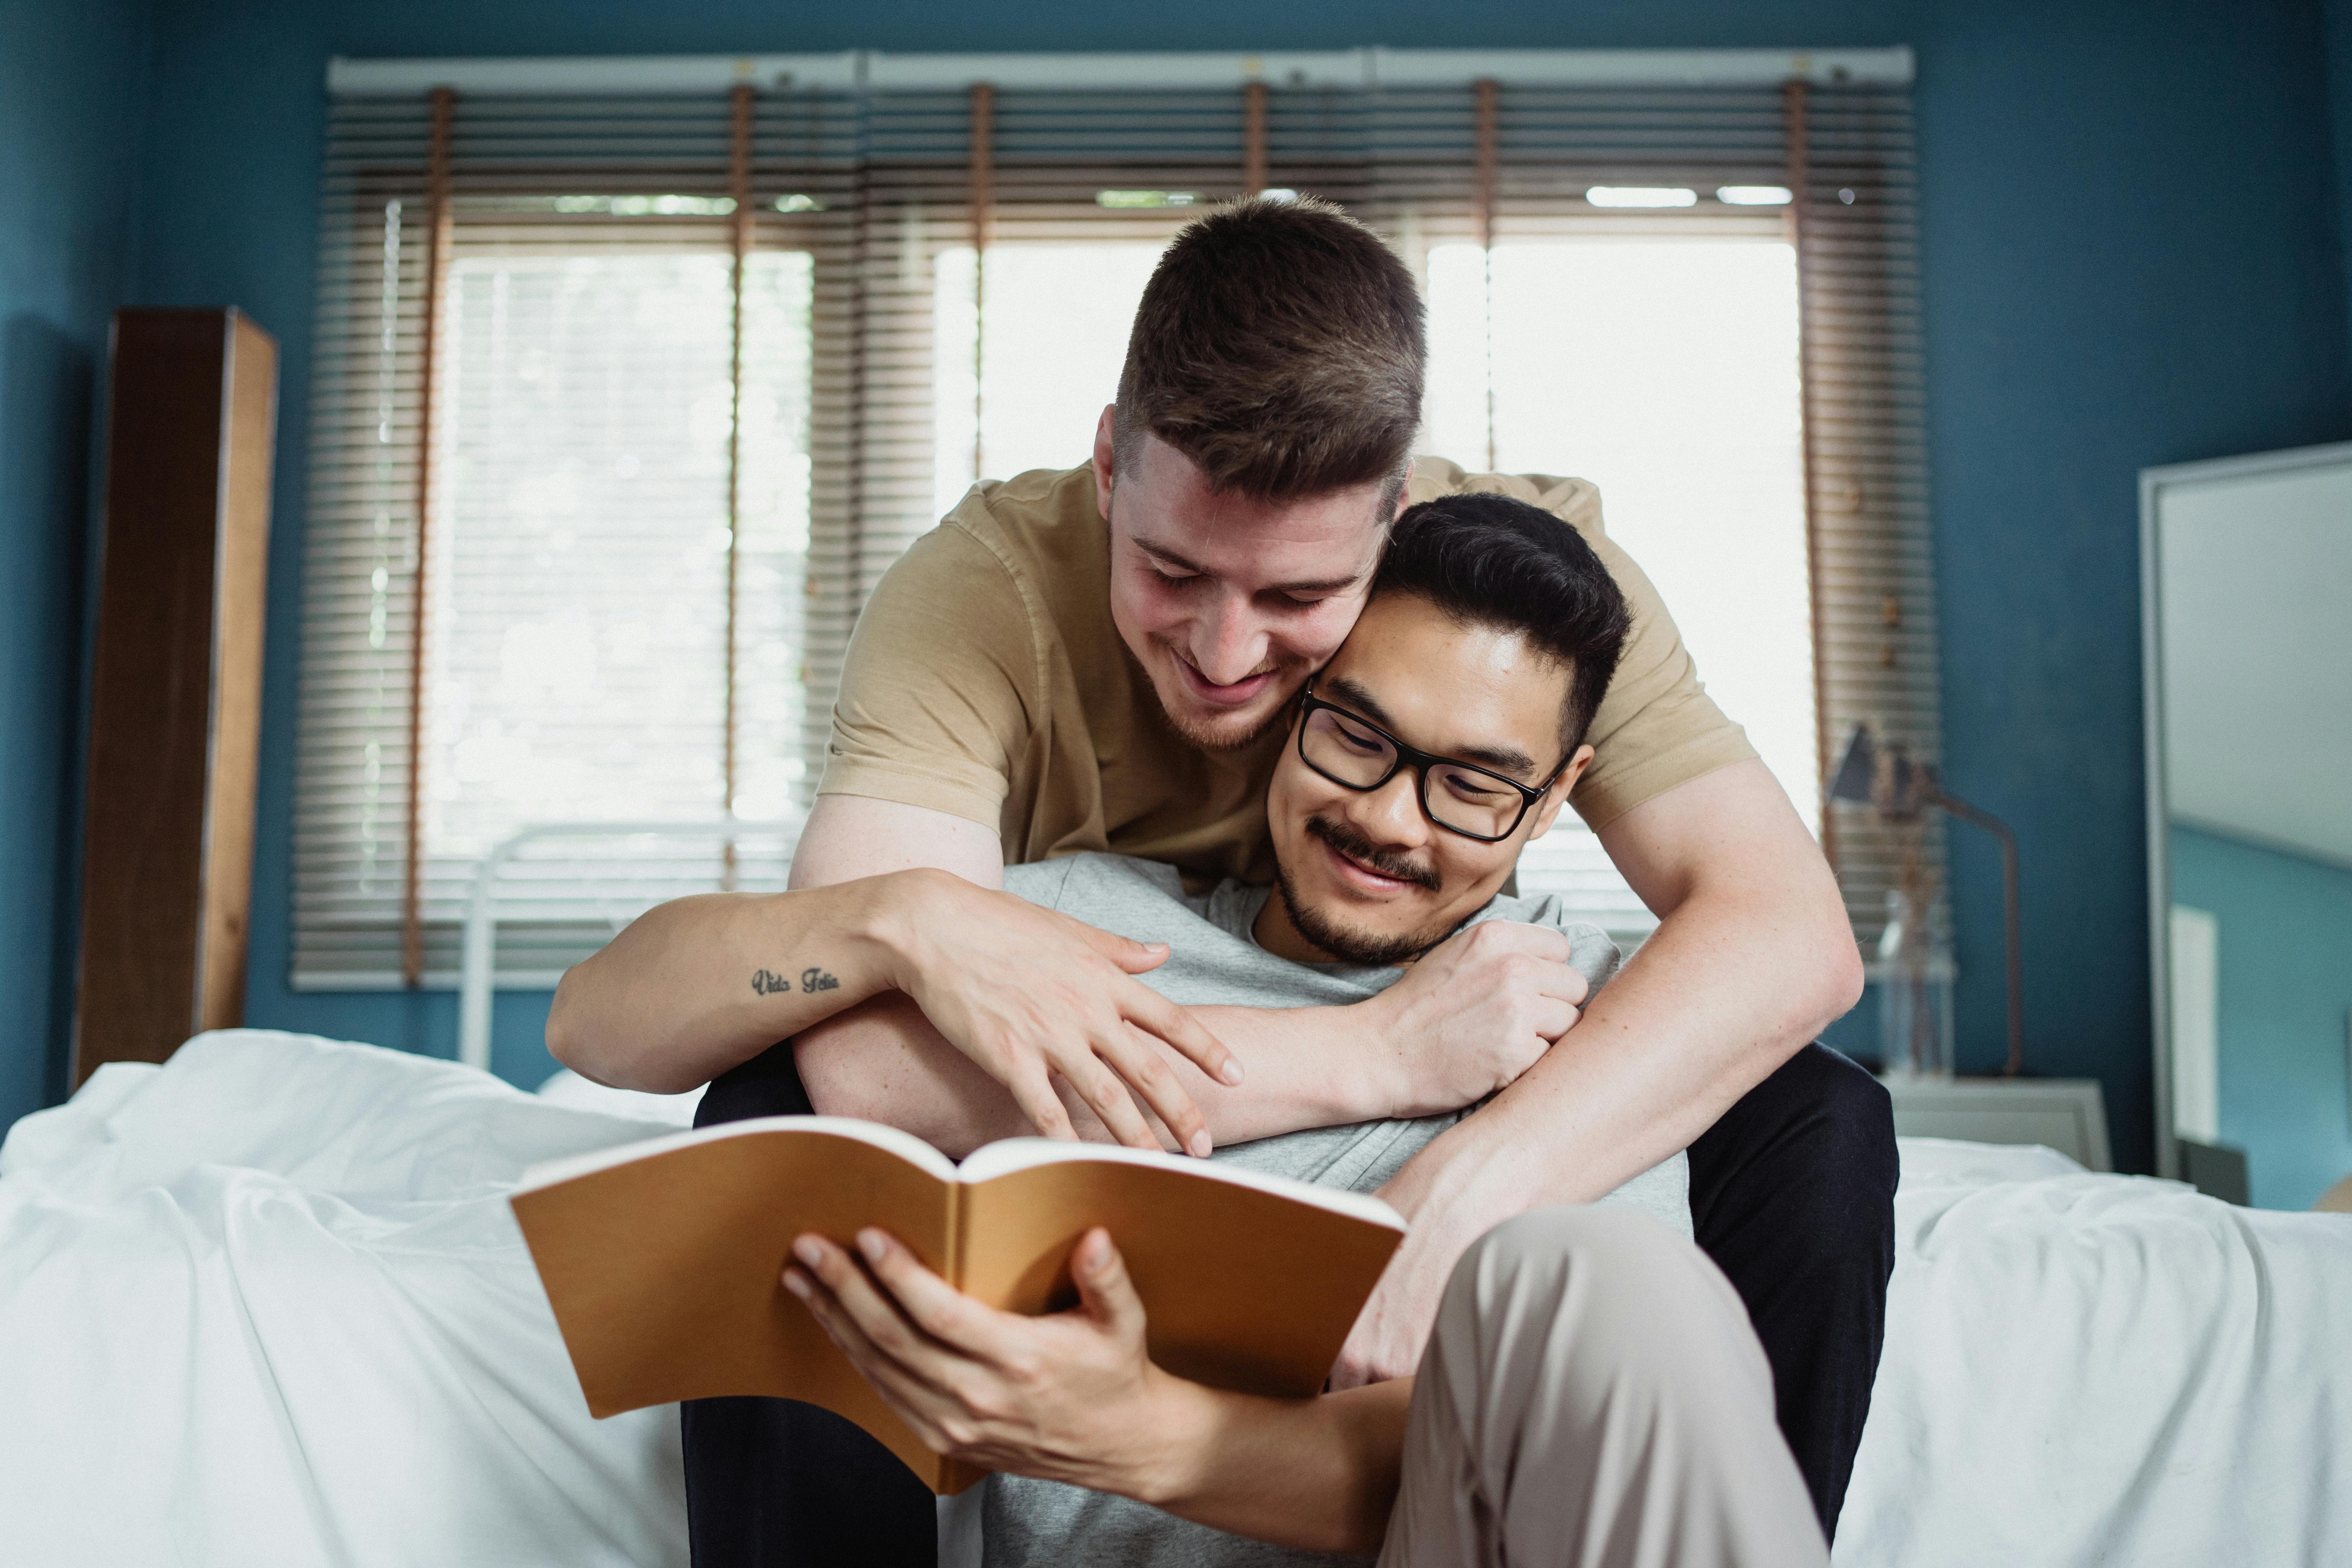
{"x":266,"y":1305}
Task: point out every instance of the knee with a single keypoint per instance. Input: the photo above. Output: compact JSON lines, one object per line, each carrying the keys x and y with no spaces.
{"x":1611,"y":1291}
{"x":1853,"y":1130}
{"x":1600,"y":1263}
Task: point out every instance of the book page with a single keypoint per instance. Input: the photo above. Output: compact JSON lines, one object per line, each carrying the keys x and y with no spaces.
{"x":666,"y":1269}
{"x":1248,"y":1285}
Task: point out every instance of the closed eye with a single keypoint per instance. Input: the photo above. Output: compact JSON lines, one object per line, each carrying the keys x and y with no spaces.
{"x":1472,"y":787}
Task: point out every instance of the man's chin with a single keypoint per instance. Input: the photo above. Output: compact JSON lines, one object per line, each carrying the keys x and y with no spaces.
{"x":1221,"y":729}
{"x":1346,"y":941}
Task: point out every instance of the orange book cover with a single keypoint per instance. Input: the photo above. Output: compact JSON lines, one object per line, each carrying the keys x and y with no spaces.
{"x":664,"y":1260}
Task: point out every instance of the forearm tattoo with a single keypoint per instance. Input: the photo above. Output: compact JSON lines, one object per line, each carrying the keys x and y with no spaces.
{"x":767,"y":983}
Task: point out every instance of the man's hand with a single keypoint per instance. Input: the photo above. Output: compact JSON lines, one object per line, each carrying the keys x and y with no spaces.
{"x":1395,"y":1324}
{"x":1031,"y":995}
{"x":1475,"y":1011}
{"x":1073,"y":1397}
{"x":1070,"y":1396}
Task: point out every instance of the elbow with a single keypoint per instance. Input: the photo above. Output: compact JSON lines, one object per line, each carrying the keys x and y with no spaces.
{"x":575,"y":1041}
{"x":830,"y":1073}
{"x":1838,"y":973}
{"x":565,"y":1026}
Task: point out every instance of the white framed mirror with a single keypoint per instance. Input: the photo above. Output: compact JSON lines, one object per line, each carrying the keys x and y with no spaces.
{"x":2246,"y":594}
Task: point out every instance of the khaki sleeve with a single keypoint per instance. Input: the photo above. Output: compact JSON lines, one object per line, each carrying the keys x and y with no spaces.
{"x":1657,"y":726}
{"x":941,"y":685}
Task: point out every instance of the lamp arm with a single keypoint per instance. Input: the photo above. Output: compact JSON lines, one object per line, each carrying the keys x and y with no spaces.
{"x":2001,"y":831}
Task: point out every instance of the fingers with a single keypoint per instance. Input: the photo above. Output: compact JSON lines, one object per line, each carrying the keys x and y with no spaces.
{"x":1105,"y":1094}
{"x":1032,"y":1091}
{"x":1496,"y":938}
{"x":1138,"y":1061}
{"x":1155,"y":1014}
{"x":913,"y":1400}
{"x":1106,"y":1294}
{"x":875,"y":1315}
{"x":936,"y":1308}
{"x":1135,"y":957}
{"x":1554,"y":1018}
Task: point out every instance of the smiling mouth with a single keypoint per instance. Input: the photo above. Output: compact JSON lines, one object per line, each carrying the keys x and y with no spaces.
{"x":1233,"y":696}
{"x":1361,"y":862}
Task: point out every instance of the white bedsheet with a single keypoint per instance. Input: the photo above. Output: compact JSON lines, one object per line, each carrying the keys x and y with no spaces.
{"x":2083,"y":1369}
{"x":267,"y":1305}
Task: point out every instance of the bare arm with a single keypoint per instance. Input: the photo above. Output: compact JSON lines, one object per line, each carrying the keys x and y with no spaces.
{"x":1752,"y":958}
{"x":694,"y":987}
{"x":1314,"y":1067}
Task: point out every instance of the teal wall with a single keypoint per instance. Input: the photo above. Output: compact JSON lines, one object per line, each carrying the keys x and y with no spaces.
{"x":2132,"y":256}
{"x":71,"y":98}
{"x":2286,"y":993}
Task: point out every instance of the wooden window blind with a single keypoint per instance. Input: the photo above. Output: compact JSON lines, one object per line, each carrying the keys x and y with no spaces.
{"x":764,"y":333}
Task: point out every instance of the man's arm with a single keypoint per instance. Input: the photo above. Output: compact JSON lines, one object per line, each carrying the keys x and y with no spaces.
{"x":1072,"y":1397}
{"x":1435,"y":1042}
{"x":1752,"y":957}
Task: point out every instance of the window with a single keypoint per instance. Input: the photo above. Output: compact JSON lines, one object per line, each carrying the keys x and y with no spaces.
{"x":765,"y":328}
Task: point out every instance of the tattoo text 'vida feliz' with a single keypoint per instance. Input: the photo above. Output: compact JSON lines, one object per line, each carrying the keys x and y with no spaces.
{"x":766,"y":983}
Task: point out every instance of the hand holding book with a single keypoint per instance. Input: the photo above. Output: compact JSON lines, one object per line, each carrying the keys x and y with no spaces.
{"x":663,"y":1261}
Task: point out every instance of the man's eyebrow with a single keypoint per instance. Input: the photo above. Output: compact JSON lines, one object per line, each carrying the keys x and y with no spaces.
{"x":1161,"y":553}
{"x":1502,"y":759}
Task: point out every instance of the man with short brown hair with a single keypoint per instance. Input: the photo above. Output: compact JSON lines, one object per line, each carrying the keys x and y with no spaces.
{"x":1101,"y":660}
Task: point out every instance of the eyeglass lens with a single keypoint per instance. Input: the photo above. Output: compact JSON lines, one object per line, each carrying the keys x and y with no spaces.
{"x":1459,"y":797}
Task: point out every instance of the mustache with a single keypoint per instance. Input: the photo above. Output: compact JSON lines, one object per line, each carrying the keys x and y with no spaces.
{"x":1355,"y":847}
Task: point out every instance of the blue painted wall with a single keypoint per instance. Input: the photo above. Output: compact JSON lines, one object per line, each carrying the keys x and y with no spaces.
{"x":2132,"y":256}
{"x":2286,"y":953}
{"x":70,"y":103}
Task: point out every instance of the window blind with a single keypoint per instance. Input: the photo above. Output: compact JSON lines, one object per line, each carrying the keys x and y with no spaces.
{"x":575,"y":654}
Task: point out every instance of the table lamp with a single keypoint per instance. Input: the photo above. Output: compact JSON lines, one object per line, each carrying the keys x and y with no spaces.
{"x":1901,"y":790}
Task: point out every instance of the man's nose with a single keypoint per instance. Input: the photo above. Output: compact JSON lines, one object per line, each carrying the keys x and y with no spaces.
{"x":1229,"y":645}
{"x":1391,"y":815}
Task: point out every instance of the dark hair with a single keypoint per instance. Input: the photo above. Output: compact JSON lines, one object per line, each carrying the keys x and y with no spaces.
{"x":1487,"y":560}
{"x":1279,"y":346}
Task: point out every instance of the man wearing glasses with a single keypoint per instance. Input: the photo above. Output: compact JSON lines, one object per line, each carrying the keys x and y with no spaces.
{"x":1105,"y":659}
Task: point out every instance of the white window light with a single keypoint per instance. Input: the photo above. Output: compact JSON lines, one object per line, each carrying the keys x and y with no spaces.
{"x":1641,"y":197}
{"x":1145,"y":198}
{"x":1752,"y":196}
{"x":1278,"y":194}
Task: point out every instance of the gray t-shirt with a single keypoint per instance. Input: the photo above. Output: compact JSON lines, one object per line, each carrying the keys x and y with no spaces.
{"x":1214,"y":960}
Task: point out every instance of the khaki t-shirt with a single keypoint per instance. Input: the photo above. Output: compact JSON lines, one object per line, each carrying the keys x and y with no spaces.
{"x":987,"y":680}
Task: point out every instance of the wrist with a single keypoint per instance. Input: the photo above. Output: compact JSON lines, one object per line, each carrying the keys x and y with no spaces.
{"x":1378,"y":1061}
{"x":1186,"y":1427}
{"x":887,"y":922}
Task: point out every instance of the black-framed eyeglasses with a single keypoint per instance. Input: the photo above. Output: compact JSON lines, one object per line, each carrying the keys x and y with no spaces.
{"x":1460,"y":797}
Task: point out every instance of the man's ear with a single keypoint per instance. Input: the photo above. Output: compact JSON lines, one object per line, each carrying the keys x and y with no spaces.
{"x":1547,"y":810}
{"x":1106,"y":456}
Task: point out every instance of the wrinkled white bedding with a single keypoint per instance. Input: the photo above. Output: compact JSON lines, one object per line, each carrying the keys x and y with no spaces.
{"x":266,"y":1305}
{"x":2085,"y":1369}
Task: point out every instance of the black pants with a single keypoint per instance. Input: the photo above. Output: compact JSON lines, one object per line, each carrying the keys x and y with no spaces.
{"x":1793,"y":1194}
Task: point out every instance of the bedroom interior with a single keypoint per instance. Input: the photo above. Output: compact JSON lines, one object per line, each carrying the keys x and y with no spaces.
{"x":2018,"y":343}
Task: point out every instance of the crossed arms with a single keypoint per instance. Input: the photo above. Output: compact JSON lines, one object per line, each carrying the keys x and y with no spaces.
{"x":1752,"y":958}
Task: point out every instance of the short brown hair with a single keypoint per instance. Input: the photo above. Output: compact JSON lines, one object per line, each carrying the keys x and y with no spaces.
{"x":1279,"y":346}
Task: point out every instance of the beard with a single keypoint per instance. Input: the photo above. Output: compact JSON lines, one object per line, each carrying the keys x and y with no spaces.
{"x":1349,"y":945}
{"x":1219,"y":735}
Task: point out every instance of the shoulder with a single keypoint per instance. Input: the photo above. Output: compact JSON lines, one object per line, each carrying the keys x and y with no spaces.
{"x":1040,"y":526}
{"x":1574,"y":501}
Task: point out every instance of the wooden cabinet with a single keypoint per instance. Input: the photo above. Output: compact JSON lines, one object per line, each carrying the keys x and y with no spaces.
{"x":175,"y":696}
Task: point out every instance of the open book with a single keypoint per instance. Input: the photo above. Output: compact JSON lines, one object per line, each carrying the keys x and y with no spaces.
{"x":664,"y":1260}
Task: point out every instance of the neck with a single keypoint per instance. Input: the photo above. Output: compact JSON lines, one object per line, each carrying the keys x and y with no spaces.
{"x":1280,"y":936}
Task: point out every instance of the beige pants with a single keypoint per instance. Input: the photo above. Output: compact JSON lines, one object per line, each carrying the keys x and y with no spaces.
{"x":1593,"y":1396}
